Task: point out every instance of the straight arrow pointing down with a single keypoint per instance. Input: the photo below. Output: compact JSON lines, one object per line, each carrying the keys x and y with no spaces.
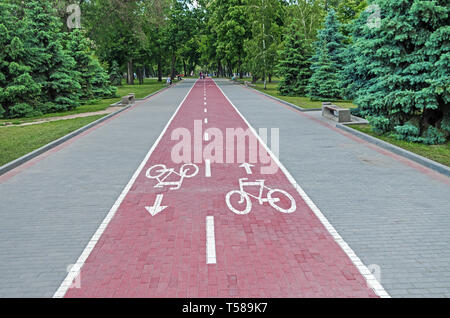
{"x":157,"y":208}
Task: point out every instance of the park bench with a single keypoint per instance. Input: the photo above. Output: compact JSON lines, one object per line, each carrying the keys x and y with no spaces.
{"x":249,"y":84}
{"x":129,"y":99}
{"x":334,"y":112}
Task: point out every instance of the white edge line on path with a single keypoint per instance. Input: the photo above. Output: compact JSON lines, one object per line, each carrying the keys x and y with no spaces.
{"x":367,"y":274}
{"x":65,"y":285}
{"x":210,"y":241}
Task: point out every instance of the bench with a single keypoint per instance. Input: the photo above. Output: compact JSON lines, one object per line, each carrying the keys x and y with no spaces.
{"x":129,"y":99}
{"x":334,"y":112}
{"x":249,"y":84}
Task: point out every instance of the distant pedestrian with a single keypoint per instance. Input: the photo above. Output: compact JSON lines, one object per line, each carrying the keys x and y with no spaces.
{"x":169,"y":81}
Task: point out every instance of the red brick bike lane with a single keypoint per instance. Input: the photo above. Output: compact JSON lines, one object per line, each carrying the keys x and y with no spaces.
{"x":214,"y":230}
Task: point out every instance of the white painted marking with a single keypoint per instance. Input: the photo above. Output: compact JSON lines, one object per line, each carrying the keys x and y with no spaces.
{"x":206,"y":120}
{"x":67,"y":282}
{"x":210,"y":241}
{"x":247,"y":167}
{"x":205,"y":98}
{"x":205,"y":104}
{"x":156,"y":208}
{"x":206,"y":110}
{"x":206,"y":137}
{"x":365,"y":272}
{"x":208,"y":168}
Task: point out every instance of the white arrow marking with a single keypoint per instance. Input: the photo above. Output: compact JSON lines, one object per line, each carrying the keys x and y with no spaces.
{"x":210,"y":241}
{"x":157,"y":208}
{"x":248,"y":167}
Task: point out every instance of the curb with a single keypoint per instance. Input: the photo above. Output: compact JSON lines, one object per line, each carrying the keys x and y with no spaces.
{"x":305,"y":110}
{"x":433,"y":165}
{"x":20,"y":161}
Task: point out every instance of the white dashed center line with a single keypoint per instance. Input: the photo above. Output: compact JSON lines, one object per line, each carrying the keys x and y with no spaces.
{"x":210,"y":241}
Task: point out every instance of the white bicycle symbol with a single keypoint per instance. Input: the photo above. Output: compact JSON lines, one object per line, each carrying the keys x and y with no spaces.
{"x":245,"y":196}
{"x":161,"y":173}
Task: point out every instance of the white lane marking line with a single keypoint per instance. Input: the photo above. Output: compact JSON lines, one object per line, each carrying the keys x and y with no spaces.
{"x":210,"y":241}
{"x":206,"y":137}
{"x":205,"y":104}
{"x":365,"y":272}
{"x":206,"y":110}
{"x":207,"y":168}
{"x":65,"y":285}
{"x":206,"y":120}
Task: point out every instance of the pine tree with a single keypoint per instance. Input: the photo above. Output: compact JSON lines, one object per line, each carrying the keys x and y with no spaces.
{"x":115,"y":75}
{"x":324,"y":83}
{"x":52,"y":67}
{"x":18,"y":90}
{"x":88,"y":71}
{"x":327,"y":62}
{"x":403,"y":71}
{"x":294,"y":66}
{"x":331,"y":38}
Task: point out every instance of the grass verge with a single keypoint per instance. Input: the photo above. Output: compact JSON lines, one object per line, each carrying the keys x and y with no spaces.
{"x":16,"y":142}
{"x":150,"y":86}
{"x":438,"y":153}
{"x":303,"y":102}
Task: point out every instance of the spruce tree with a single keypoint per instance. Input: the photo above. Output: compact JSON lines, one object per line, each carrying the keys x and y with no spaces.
{"x":294,"y":66}
{"x":115,"y":75}
{"x":18,"y":90}
{"x":92,"y":77}
{"x":402,"y":68}
{"x":52,"y":66}
{"x":324,"y":83}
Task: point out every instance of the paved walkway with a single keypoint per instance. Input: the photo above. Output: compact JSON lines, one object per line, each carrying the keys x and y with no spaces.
{"x":176,"y":233}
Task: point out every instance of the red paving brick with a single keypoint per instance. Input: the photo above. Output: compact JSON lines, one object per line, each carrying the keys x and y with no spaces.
{"x":265,"y":253}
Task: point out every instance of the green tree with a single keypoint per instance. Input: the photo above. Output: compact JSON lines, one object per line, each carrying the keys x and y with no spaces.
{"x":405,"y":88}
{"x":324,"y":83}
{"x":294,"y":66}
{"x":331,"y":38}
{"x":231,"y":24}
{"x":115,"y":74}
{"x":18,"y":90}
{"x":51,"y":65}
{"x":91,"y":76}
{"x":347,"y":11}
{"x":266,"y":21}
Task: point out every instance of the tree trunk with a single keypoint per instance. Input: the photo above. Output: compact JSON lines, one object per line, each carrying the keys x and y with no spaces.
{"x":173,"y":65}
{"x":270,"y":78}
{"x":185,"y":68}
{"x":130,"y":77}
{"x":159,"y":69}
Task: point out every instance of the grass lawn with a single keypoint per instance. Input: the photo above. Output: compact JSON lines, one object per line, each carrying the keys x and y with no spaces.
{"x":16,"y":142}
{"x":150,"y":86}
{"x":303,"y":102}
{"x":439,"y":153}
